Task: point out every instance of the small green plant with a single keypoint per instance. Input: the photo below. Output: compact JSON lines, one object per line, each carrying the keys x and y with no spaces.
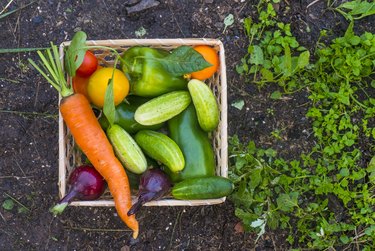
{"x":325,"y":198}
{"x":274,"y":55}
{"x":357,"y":9}
{"x":10,"y":203}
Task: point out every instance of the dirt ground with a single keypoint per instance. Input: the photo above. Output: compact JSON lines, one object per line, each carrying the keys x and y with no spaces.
{"x":29,"y":125}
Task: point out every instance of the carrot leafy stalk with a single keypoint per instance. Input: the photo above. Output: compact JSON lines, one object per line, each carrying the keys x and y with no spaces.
{"x":84,"y":127}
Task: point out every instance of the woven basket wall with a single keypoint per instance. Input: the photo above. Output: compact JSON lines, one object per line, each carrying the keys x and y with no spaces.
{"x":70,"y":156}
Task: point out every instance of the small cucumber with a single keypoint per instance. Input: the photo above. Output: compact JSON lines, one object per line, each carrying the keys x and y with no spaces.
{"x":161,"y":148}
{"x":162,"y":108}
{"x":205,"y":103}
{"x":124,"y":116}
{"x":127,"y":150}
{"x":202,"y":188}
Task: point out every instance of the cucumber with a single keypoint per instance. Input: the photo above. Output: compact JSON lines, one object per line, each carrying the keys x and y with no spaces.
{"x":161,"y":148}
{"x":162,"y":108}
{"x":205,"y":104}
{"x":202,"y":188}
{"x":127,"y":150}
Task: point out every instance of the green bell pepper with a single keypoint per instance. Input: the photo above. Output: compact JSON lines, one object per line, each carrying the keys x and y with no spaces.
{"x":148,"y":78}
{"x":124,"y":116}
{"x":195,"y":145}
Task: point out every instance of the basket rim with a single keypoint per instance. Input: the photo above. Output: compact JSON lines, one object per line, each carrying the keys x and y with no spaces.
{"x":152,"y":41}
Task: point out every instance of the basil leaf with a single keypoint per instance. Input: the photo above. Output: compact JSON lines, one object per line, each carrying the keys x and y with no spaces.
{"x":109,"y":109}
{"x":184,"y":59}
{"x":75,"y":53}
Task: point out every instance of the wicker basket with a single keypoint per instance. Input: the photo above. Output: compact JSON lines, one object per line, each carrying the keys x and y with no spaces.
{"x":70,"y":156}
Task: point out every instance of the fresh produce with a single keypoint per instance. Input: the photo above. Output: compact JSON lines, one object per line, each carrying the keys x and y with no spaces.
{"x":124,"y":116}
{"x":202,"y":188}
{"x":194,"y":144}
{"x":88,"y":66}
{"x":210,"y":55}
{"x":90,"y":137}
{"x":205,"y":105}
{"x":80,"y":85}
{"x":126,"y":149}
{"x":98,"y":83}
{"x":85,"y":129}
{"x":162,"y":108}
{"x":148,"y":77}
{"x":85,"y":184}
{"x":153,"y":185}
{"x":161,"y":148}
{"x":156,"y":74}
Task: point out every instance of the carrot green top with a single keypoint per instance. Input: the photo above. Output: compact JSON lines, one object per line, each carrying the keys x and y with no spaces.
{"x":52,"y":68}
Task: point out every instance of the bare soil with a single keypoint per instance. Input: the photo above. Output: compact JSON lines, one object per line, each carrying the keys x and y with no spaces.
{"x":29,"y":125}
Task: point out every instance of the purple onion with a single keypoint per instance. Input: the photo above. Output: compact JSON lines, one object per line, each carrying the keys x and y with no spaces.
{"x":153,"y":185}
{"x":85,"y":184}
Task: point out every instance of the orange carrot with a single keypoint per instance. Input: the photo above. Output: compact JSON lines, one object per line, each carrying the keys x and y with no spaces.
{"x":89,"y":136}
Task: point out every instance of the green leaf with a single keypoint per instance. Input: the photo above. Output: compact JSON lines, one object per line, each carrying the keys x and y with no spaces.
{"x":240,"y":162}
{"x":140,"y":32}
{"x":8,"y":204}
{"x":370,"y":230}
{"x":247,"y":25}
{"x":257,"y":57}
{"x":75,"y":53}
{"x":355,"y":40}
{"x":303,"y":59}
{"x":255,"y":178}
{"x":371,"y":165}
{"x":228,"y":21}
{"x":286,"y":202}
{"x":266,"y":74}
{"x":239,"y":104}
{"x":348,"y":5}
{"x":276,"y":95}
{"x":344,"y":172}
{"x":184,"y":59}
{"x":288,"y":61}
{"x":22,"y":210}
{"x":344,"y":239}
{"x":109,"y":108}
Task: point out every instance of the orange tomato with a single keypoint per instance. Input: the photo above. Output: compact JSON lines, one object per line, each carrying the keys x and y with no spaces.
{"x":80,"y":85}
{"x":210,"y":55}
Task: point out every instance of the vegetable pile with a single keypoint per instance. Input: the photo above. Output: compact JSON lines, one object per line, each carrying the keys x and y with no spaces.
{"x":154,"y":128}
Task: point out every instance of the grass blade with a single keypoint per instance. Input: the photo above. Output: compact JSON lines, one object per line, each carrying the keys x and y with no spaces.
{"x":15,"y":10}
{"x":16,"y":50}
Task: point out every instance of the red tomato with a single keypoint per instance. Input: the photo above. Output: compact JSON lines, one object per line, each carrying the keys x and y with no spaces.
{"x":88,"y":66}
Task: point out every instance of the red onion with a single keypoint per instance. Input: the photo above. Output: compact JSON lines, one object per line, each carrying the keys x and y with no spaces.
{"x":85,"y":184}
{"x":154,"y":184}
